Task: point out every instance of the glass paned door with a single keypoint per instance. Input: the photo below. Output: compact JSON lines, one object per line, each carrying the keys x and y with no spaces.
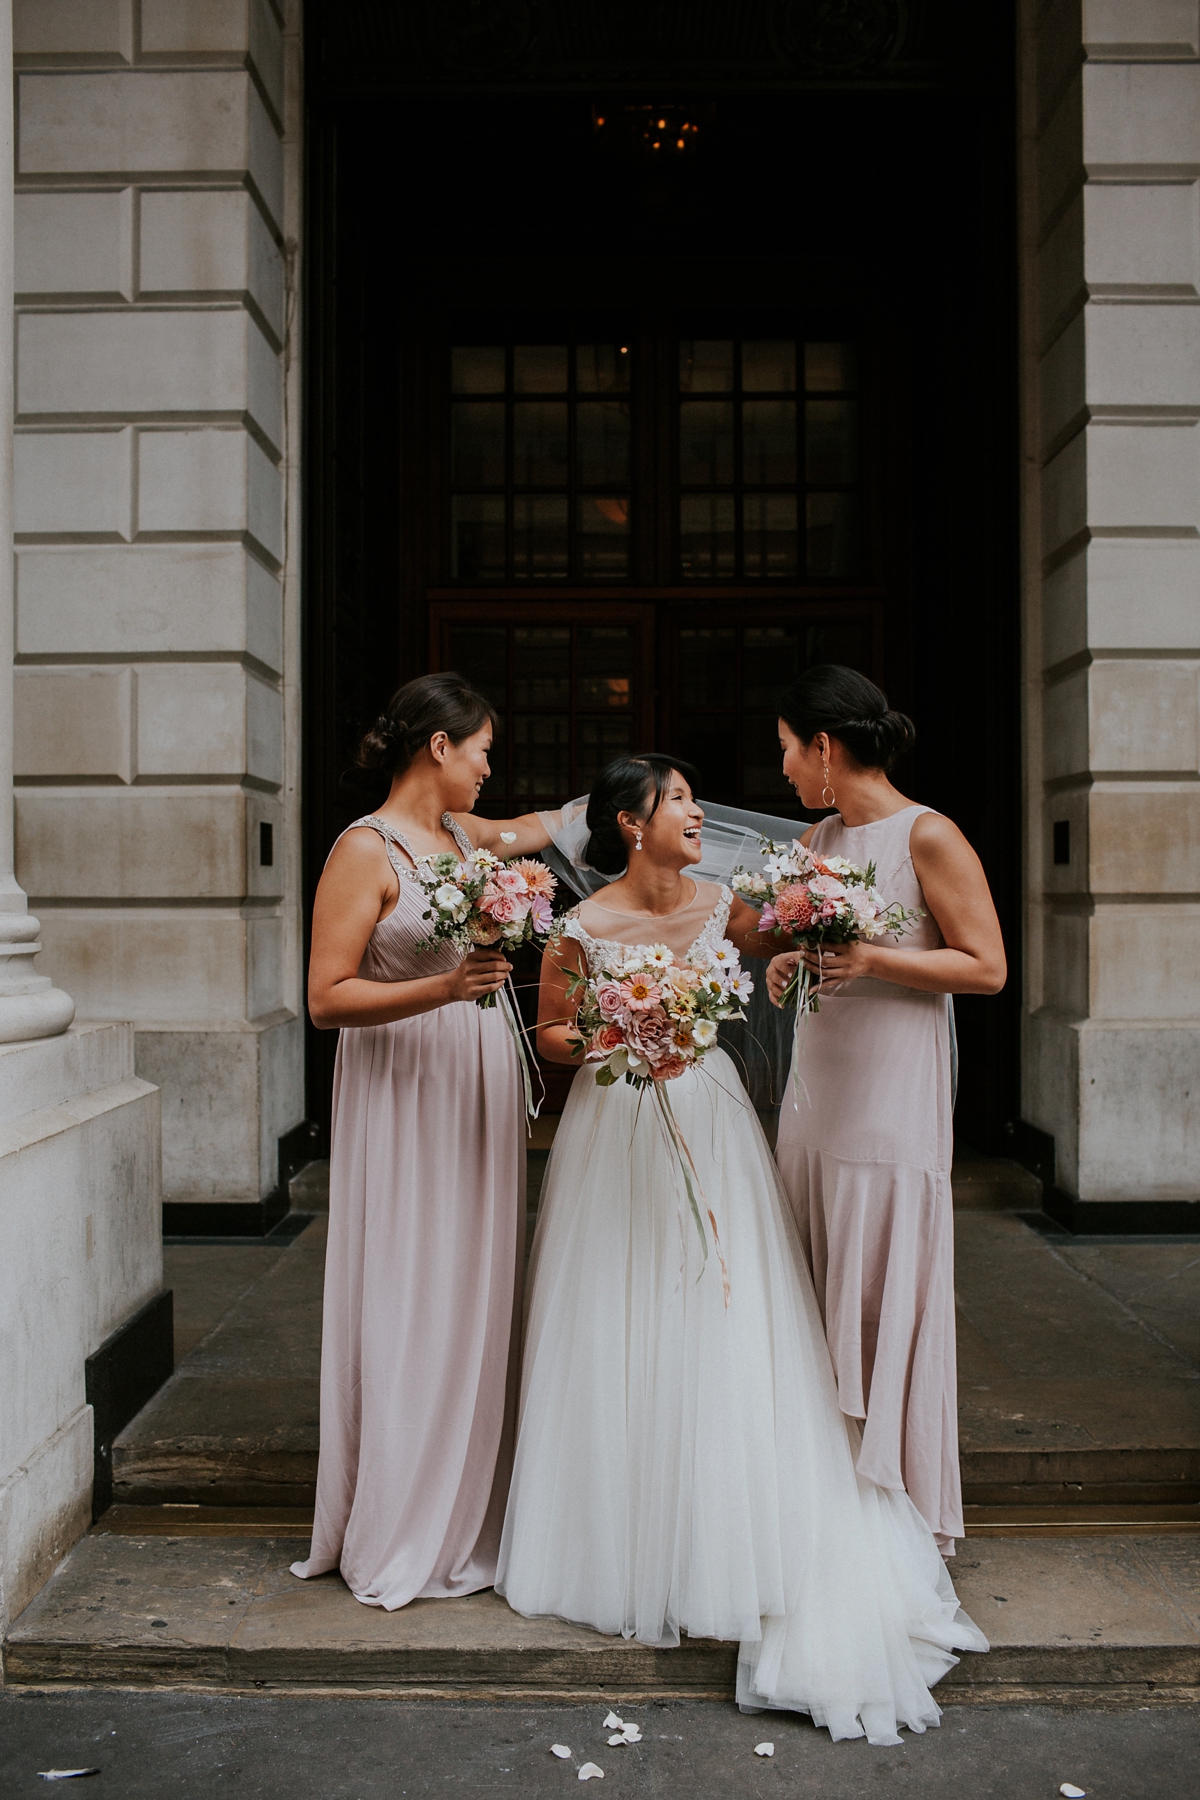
{"x":572,"y":685}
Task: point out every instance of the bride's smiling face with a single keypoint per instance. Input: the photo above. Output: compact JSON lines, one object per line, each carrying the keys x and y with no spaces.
{"x":671,"y":833}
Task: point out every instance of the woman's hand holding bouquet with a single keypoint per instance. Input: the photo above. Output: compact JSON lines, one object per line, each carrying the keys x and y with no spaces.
{"x":481,"y":902}
{"x":816,"y":902}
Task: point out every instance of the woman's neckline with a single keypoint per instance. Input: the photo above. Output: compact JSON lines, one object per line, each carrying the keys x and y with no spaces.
{"x":619,"y":912}
{"x":867,"y":823}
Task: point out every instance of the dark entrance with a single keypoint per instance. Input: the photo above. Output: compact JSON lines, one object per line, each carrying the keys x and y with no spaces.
{"x":654,"y":353}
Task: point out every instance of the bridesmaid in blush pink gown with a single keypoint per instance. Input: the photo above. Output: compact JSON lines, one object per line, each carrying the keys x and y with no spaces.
{"x":864,"y":1151}
{"x":426,"y":1185}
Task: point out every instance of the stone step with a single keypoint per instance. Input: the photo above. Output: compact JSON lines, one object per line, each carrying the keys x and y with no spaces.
{"x":1099,"y":1619}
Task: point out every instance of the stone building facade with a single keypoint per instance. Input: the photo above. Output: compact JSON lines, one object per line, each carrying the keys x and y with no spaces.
{"x":1111,"y":252}
{"x":157,"y":570}
{"x":157,"y":277}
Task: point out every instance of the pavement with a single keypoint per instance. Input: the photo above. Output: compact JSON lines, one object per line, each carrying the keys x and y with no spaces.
{"x":304,"y":1747}
{"x":1079,"y":1367}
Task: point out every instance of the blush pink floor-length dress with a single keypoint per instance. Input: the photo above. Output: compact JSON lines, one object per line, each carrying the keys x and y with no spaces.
{"x":419,"y":1341}
{"x":865,"y":1161}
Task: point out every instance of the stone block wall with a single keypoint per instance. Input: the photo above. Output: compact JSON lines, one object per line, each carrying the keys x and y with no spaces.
{"x":80,"y":1227}
{"x":1111,"y":223}
{"x":157,"y":169}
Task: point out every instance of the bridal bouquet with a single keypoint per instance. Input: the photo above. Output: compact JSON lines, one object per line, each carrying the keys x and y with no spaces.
{"x":648,"y":1018}
{"x":484,"y":901}
{"x":814,"y":901}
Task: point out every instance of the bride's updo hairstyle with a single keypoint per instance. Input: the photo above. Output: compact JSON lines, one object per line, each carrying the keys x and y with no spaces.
{"x":633,"y":784}
{"x":840,"y":701}
{"x":430,"y":703}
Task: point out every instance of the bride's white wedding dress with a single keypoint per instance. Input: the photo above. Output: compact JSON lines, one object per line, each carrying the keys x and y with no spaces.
{"x":683,"y":1467}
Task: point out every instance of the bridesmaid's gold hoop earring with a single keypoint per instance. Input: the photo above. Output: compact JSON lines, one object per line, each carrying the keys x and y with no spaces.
{"x":827,"y":789}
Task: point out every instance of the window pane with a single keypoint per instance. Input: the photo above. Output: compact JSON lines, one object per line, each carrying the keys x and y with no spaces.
{"x":541,"y":754}
{"x":542,"y":665}
{"x":849,"y":643}
{"x":769,"y":366}
{"x":770,"y":659}
{"x":769,"y":440}
{"x":603,"y":661}
{"x":477,"y":369}
{"x":477,"y":537}
{"x":832,"y":534}
{"x":602,"y":442}
{"x":830,"y":367}
{"x":706,"y":535}
{"x":480,"y":652}
{"x":540,"y":443}
{"x":603,"y":527}
{"x":602,"y":368}
{"x":540,"y":368}
{"x":706,"y":441}
{"x":831,"y":440}
{"x":599,"y":741}
{"x":707,"y":669}
{"x":770,"y":544}
{"x":540,"y":550}
{"x":477,"y":443}
{"x":706,"y":366}
{"x":762,"y":759}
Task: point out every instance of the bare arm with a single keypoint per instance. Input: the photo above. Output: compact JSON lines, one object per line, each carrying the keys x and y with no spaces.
{"x":529,"y":834}
{"x":358,"y":888}
{"x":957,"y":896}
{"x":743,"y":933}
{"x":556,"y":1012}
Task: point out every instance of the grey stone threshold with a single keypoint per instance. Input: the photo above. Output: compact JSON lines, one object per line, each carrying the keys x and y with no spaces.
{"x":1094,"y":1620}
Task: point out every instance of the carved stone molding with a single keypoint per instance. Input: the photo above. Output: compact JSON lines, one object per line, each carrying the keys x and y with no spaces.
{"x":839,"y":36}
{"x":626,"y":46}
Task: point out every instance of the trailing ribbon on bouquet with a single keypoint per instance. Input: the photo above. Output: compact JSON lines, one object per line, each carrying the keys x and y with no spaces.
{"x":688,"y":1170}
{"x":512,"y":1018}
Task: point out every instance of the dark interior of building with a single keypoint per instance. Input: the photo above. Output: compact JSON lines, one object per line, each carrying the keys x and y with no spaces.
{"x":636,"y":381}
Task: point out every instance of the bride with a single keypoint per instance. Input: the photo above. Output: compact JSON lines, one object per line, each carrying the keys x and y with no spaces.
{"x":683,"y":1466}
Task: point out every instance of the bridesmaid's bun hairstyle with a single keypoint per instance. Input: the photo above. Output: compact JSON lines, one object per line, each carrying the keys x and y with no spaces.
{"x":633,"y":784}
{"x":415,"y":712}
{"x":829,"y":697}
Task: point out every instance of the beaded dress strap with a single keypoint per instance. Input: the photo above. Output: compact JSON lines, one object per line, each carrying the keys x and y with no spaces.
{"x":465,"y":846}
{"x":390,"y":837}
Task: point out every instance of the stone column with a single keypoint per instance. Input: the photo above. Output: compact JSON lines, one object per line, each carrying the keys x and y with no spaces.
{"x":1111,"y":202}
{"x":30,"y":1007}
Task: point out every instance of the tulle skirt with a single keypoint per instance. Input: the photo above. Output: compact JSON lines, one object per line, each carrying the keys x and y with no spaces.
{"x":683,"y":1465}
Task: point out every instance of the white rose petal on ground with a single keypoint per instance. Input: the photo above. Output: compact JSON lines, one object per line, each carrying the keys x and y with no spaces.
{"x":560,"y":1750}
{"x":631,"y":1735}
{"x":589,"y":1770}
{"x":1071,"y":1792}
{"x":618,"y":1737}
{"x":764,"y":1749}
{"x":612,"y":1723}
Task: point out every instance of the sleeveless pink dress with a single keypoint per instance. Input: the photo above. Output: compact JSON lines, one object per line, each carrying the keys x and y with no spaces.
{"x":866,"y":1165}
{"x":422,"y":1283}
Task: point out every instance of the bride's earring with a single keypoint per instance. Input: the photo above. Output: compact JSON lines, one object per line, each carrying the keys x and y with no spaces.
{"x":638,"y":845}
{"x":827,"y":789}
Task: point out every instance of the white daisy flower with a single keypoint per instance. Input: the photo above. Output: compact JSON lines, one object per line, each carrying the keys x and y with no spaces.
{"x":740,"y":986}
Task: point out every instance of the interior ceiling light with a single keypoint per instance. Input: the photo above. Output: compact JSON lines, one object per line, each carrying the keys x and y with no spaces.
{"x":658,"y":132}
